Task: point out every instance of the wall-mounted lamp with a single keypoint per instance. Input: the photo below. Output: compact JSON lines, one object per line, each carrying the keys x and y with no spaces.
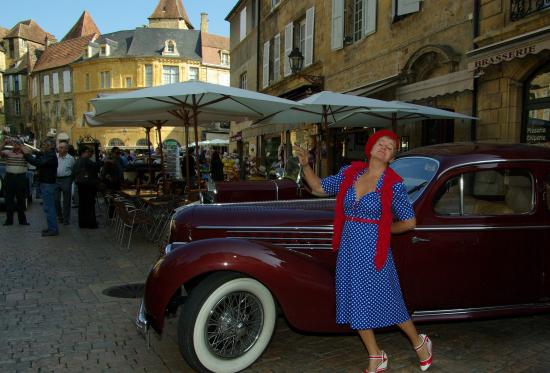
{"x":296,"y":59}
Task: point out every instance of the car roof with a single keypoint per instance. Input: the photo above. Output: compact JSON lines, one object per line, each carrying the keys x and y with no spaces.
{"x":467,"y":152}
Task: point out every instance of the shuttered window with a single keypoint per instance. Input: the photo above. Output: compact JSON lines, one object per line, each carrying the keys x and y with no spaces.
{"x":277,"y":58}
{"x":310,"y":31}
{"x":289,"y":30}
{"x":46,"y":85}
{"x":66,"y":81}
{"x":404,"y":7}
{"x":55,"y":83}
{"x":369,"y":20}
{"x":337,"y":40}
{"x":265,"y":65}
{"x":242,"y":24}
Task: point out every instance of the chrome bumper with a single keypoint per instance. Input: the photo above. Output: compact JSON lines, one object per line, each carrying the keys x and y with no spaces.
{"x":143,"y":325}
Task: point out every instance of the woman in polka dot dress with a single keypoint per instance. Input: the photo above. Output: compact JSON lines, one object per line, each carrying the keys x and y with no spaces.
{"x":368,"y":294}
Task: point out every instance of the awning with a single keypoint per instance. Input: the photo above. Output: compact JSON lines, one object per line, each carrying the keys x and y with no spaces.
{"x":442,"y":85}
{"x":509,"y":49}
{"x":376,"y":86}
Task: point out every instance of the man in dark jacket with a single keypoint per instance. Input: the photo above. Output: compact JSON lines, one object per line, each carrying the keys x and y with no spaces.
{"x":46,"y":165}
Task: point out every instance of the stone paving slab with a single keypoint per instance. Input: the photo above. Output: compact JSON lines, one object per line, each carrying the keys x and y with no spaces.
{"x":55,"y":318}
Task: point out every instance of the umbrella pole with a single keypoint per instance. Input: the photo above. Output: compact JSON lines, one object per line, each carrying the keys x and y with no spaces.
{"x":161,"y":151}
{"x":149,"y":166}
{"x":394,"y":122}
{"x":195,"y":127}
{"x":187,"y":173}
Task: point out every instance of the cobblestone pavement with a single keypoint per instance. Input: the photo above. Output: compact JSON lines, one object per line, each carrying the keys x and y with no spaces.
{"x":54,"y":317}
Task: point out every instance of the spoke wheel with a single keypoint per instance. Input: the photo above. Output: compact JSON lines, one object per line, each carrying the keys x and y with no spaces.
{"x":226,"y":323}
{"x":234,"y":325}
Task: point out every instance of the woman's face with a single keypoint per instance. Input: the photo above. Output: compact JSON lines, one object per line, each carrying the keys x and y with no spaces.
{"x":384,"y":149}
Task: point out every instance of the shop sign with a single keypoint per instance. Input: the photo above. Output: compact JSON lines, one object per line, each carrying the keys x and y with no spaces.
{"x":508,"y":55}
{"x":505,"y":56}
{"x":237,"y":137}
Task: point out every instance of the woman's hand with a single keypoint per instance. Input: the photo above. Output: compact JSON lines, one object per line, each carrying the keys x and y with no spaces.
{"x":302,"y":155}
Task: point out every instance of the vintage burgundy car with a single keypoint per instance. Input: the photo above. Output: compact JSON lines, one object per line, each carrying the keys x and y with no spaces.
{"x":480,"y":249}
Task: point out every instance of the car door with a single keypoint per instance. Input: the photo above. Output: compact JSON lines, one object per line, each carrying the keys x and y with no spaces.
{"x":474,"y":245}
{"x":545,"y":293}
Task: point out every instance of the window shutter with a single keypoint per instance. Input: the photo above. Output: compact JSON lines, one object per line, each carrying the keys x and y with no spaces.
{"x":55,"y":87}
{"x":369,"y":16}
{"x":242,"y":30}
{"x":337,"y":24}
{"x":310,"y":24}
{"x":289,"y":30}
{"x":46,"y":85}
{"x":11,"y":83}
{"x":66,"y":81}
{"x":34,"y":87}
{"x":277,"y":58}
{"x":407,"y":6}
{"x":265,"y":70}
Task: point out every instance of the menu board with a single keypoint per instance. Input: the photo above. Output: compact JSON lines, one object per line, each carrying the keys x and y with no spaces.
{"x":172,"y":161}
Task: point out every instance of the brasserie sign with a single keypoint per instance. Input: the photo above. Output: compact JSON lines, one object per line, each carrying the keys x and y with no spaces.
{"x":508,"y":55}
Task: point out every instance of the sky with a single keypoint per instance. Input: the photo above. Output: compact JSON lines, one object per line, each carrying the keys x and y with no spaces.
{"x":58,"y":16}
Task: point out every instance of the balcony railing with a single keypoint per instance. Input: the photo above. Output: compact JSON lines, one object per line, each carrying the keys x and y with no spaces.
{"x":523,"y":8}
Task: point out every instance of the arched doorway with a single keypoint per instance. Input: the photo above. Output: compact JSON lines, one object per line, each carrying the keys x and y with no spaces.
{"x":536,"y":111}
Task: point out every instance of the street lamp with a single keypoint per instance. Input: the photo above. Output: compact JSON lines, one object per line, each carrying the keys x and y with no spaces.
{"x":296,"y":59}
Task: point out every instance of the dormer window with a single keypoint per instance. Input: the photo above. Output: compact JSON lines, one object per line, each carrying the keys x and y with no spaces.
{"x":105,"y":50}
{"x":170,"y":48}
{"x":224,"y":58}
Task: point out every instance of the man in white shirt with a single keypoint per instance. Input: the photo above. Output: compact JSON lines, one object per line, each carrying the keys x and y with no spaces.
{"x":64,"y":181}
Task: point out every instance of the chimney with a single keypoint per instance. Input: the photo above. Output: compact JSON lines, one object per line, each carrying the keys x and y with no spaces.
{"x":204,"y":22}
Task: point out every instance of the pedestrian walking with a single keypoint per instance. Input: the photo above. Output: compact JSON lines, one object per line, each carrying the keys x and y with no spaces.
{"x":46,"y":165}
{"x":85,"y":172}
{"x":16,"y":188}
{"x":368,"y":294}
{"x":64,"y":181}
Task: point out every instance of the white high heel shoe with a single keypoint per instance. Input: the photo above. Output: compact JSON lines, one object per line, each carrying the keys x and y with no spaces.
{"x":425,"y":364}
{"x":383,"y":364}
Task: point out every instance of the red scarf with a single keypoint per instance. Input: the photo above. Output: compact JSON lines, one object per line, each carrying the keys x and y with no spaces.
{"x":386,"y":196}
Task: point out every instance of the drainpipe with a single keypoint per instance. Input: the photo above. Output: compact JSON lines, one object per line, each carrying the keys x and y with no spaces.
{"x":475,"y":91}
{"x":258,"y":138}
{"x":257,"y":45}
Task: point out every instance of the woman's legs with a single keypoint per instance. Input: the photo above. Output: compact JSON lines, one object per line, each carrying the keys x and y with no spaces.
{"x":410,"y":331}
{"x":368,"y":338}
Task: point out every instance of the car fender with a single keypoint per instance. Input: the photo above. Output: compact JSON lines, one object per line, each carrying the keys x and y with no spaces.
{"x":302,"y":285}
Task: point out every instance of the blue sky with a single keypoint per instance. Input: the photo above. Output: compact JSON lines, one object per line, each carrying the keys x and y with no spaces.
{"x":58,"y":16}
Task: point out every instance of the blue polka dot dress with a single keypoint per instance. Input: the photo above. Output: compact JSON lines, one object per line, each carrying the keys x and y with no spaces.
{"x":367,"y":298}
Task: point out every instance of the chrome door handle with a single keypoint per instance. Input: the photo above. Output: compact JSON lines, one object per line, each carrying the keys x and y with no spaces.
{"x":418,"y":239}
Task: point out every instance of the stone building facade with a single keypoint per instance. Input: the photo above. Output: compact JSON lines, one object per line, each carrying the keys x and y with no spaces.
{"x":511,"y":63}
{"x":386,"y":49}
{"x":423,"y":52}
{"x":51,"y":81}
{"x":147,"y":56}
{"x":3,"y":32}
{"x":23,"y":45}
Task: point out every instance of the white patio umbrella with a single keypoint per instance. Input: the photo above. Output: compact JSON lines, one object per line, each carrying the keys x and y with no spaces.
{"x":327,"y":106}
{"x":189,"y":101}
{"x":390,"y":118}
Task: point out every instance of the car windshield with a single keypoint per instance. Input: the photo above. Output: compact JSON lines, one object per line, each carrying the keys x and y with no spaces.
{"x":417,"y":172}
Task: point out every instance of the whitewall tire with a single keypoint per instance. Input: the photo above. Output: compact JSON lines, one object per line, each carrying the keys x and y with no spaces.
{"x":226,"y":323}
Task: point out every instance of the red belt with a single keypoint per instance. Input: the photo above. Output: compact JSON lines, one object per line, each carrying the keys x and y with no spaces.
{"x":362,"y":220}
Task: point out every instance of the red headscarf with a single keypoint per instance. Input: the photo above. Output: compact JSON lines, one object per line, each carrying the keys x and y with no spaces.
{"x":386,"y":196}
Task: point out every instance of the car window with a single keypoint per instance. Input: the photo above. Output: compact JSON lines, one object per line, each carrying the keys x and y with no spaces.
{"x":417,"y":172}
{"x":490,"y":192}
